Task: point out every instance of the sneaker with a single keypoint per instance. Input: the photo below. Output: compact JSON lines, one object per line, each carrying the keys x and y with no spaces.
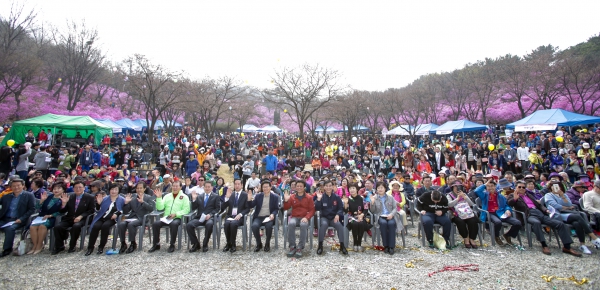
{"x":330,"y":233}
{"x":291,"y":252}
{"x":316,"y":233}
{"x":298,"y":253}
{"x":596,"y":243}
{"x":585,"y":250}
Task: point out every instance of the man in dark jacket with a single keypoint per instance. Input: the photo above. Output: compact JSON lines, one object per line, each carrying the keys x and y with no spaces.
{"x":536,"y":215}
{"x":433,"y":207}
{"x":77,"y":207}
{"x":16,"y":209}
{"x":136,"y":207}
{"x":331,"y":207}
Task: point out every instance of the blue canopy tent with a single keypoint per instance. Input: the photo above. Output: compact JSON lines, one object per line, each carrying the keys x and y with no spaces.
{"x":115,"y":127}
{"x":129,"y":125}
{"x":459,"y":126}
{"x":157,"y":126}
{"x":549,"y":120}
{"x":270,"y":129}
{"x":424,"y":129}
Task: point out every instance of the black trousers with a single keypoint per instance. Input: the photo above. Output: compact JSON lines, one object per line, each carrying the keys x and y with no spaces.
{"x":191,"y":226}
{"x":102,"y":227}
{"x":61,"y":233}
{"x":256,"y":224}
{"x":230,"y":228}
{"x":173,"y":227}
{"x":467,"y":227}
{"x":358,"y":231}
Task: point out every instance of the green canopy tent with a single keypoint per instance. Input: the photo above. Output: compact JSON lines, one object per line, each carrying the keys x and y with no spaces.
{"x":69,"y":125}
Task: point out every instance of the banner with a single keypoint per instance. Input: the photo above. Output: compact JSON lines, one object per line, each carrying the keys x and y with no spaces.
{"x":443,"y":132}
{"x":539,"y":127}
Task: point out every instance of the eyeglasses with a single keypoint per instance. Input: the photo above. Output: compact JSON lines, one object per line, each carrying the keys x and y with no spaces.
{"x":520,"y":186}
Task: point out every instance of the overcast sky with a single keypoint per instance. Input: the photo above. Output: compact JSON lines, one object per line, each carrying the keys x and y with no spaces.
{"x":374,"y":44}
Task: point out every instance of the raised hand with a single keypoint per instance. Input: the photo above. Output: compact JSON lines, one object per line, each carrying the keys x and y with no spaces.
{"x":43,"y":197}
{"x":158,"y":193}
{"x":345,"y":199}
{"x":194,"y":195}
{"x":250,"y":196}
{"x":64,"y":198}
{"x":140,"y":198}
{"x":228,"y":194}
{"x":99,"y":199}
{"x":319,"y":195}
{"x":128,"y":198}
{"x":286,"y":195}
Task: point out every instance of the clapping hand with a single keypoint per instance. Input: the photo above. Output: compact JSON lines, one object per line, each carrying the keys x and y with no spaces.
{"x":140,"y":198}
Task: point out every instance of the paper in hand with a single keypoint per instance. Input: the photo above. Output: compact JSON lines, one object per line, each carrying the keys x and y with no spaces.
{"x":166,"y":220}
{"x":202,"y":218}
{"x":38,"y":220}
{"x":267,"y":219}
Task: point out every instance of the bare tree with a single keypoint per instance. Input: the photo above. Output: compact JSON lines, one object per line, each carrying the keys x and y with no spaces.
{"x":514,"y":78}
{"x":80,"y":59}
{"x":580,"y":80}
{"x":545,"y":89}
{"x":453,"y":91}
{"x":483,"y":85}
{"x":19,"y":53}
{"x":303,"y":90}
{"x":349,"y":110}
{"x":154,"y":86}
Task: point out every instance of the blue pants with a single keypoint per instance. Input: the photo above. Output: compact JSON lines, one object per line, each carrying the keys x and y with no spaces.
{"x":9,"y":232}
{"x":388,"y":232}
{"x":85,"y":167}
{"x":429,"y":219}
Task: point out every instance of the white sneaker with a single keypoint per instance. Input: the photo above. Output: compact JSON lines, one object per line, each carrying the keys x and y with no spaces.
{"x":596,"y":243}
{"x":585,"y":250}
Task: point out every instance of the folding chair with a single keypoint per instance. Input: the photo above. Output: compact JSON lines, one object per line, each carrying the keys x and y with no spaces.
{"x":286,"y":229}
{"x":492,"y":227}
{"x":345,"y":234}
{"x":140,"y":233}
{"x":436,"y":227}
{"x":154,"y":217}
{"x":262,"y":227}
{"x":216,"y":238}
{"x":244,"y":228}
{"x":378,"y":231}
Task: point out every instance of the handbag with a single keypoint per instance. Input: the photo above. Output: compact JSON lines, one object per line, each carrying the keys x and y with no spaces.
{"x":484,"y":159}
{"x":464,"y":211}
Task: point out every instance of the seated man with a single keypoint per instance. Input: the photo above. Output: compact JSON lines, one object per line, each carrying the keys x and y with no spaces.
{"x":77,"y":207}
{"x":237,"y":208}
{"x":207,"y":205}
{"x":17,"y":207}
{"x":591,"y":203}
{"x":331,"y":207}
{"x":303,"y":209}
{"x":433,"y":207}
{"x":537,"y":215}
{"x":265,"y":204}
{"x":175,"y":205}
{"x":136,"y":207}
{"x":497,"y":205}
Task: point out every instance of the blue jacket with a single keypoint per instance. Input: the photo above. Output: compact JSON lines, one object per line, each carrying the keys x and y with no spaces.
{"x":271,"y":162}
{"x":484,"y":196}
{"x":191,"y":166}
{"x":105,"y":205}
{"x":25,"y":207}
{"x":97,"y":157}
{"x":330,"y":206}
{"x":257,"y":202}
{"x":556,"y":160}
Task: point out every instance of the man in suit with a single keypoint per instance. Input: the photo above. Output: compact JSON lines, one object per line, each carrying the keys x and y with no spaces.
{"x":208,"y":204}
{"x":237,"y":208}
{"x":78,"y":207}
{"x":175,"y":205}
{"x":265,"y":204}
{"x":137,"y":206}
{"x":17,"y":207}
{"x":438,"y":159}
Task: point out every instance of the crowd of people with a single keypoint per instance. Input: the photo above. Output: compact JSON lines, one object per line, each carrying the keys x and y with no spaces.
{"x":365,"y":185}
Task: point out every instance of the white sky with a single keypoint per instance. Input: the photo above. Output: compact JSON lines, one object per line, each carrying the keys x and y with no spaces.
{"x":374,"y":44}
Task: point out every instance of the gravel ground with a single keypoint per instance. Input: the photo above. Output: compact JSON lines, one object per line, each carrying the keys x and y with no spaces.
{"x":499,"y":268}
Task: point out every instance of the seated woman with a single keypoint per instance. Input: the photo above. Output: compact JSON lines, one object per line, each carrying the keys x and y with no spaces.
{"x":109,"y":208}
{"x":465,"y":220}
{"x":385,"y":206}
{"x":397,"y":191}
{"x":357,"y":223}
{"x":49,"y":206}
{"x":569,"y":214}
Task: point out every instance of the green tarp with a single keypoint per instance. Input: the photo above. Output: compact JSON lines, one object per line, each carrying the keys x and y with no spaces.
{"x":69,"y":125}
